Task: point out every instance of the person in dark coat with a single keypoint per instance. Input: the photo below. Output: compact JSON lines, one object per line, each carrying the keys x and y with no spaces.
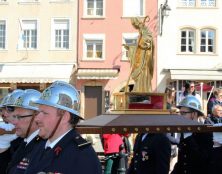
{"x":65,"y":151}
{"x":194,"y":148}
{"x":9,"y":142}
{"x":151,"y":154}
{"x":26,"y":128}
{"x":216,"y":158}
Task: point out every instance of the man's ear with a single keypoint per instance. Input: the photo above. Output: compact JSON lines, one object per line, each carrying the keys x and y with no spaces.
{"x":66,"y":116}
{"x":194,"y":115}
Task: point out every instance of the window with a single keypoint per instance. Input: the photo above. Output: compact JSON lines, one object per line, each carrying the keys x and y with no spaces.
{"x":2,"y":34}
{"x":60,"y":34}
{"x":207,"y":3}
{"x":29,"y":34}
{"x":93,"y":47}
{"x":94,"y":7}
{"x":133,"y":8}
{"x":129,"y":39}
{"x":207,"y":41}
{"x":197,"y":3}
{"x":188,"y":3}
{"x":187,"y":40}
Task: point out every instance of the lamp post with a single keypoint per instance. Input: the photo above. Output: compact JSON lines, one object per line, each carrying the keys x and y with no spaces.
{"x":164,"y":12}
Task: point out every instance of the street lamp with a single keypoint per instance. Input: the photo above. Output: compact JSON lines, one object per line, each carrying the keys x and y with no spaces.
{"x":164,"y":12}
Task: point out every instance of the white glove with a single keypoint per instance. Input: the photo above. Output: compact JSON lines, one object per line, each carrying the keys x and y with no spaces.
{"x":6,"y":139}
{"x":7,"y":126}
{"x":217,"y":136}
{"x":187,"y":134}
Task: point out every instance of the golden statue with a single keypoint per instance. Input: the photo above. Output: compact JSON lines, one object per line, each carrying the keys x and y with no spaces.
{"x":141,"y":58}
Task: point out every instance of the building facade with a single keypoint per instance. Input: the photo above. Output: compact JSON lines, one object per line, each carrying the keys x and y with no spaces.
{"x":103,"y":64}
{"x":38,"y":41}
{"x":189,"y":47}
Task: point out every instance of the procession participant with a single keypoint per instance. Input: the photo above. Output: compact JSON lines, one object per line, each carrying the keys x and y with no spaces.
{"x":26,"y":128}
{"x":111,"y":146}
{"x":216,"y":158}
{"x":65,"y":150}
{"x":8,"y":142}
{"x":151,"y":154}
{"x":194,"y":148}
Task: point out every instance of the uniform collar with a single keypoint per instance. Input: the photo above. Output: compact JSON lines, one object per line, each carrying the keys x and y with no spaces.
{"x":31,"y":137}
{"x":52,"y":144}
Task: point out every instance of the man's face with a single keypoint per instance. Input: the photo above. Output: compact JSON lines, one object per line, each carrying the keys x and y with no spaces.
{"x":187,"y":113}
{"x":21,"y":119}
{"x":46,"y":120}
{"x":7,"y":113}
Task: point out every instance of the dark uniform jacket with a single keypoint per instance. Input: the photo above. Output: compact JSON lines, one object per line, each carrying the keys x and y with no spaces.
{"x":151,"y":156}
{"x":6,"y":156}
{"x":194,"y":154}
{"x":71,"y":155}
{"x":216,"y":156}
{"x":20,"y":159}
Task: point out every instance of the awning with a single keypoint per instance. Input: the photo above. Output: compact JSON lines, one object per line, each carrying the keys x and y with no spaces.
{"x":34,"y":73}
{"x":197,"y":74}
{"x":97,"y":73}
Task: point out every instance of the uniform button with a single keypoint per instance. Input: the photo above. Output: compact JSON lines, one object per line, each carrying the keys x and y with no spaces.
{"x":185,"y":156}
{"x":136,"y":161}
{"x":184,"y":164}
{"x":185,"y":171}
{"x":135,"y":168}
{"x":137,"y":154}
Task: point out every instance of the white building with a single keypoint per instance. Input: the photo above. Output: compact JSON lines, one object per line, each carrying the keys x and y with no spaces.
{"x":190,"y":46}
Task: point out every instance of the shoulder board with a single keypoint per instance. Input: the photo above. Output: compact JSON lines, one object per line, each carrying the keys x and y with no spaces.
{"x":81,"y":142}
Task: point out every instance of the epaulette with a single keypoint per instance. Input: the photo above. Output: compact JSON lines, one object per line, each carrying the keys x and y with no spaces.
{"x":81,"y":142}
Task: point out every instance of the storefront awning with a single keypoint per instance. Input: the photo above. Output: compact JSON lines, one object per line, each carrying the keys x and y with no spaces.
{"x":34,"y":73}
{"x":97,"y":73}
{"x":197,"y":74}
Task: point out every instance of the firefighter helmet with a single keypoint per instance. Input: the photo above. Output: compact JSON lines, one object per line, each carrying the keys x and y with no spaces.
{"x":192,"y":102}
{"x":61,"y":95}
{"x":27,"y":99}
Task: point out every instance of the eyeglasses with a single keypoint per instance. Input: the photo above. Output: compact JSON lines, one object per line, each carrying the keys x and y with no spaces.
{"x":184,"y":112}
{"x":20,"y":117}
{"x":10,"y":109}
{"x":192,"y":86}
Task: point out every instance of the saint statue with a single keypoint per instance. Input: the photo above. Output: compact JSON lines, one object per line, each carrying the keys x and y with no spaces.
{"x":141,"y":58}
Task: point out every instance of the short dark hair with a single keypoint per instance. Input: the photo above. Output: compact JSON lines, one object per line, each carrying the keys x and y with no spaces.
{"x":74,"y":120}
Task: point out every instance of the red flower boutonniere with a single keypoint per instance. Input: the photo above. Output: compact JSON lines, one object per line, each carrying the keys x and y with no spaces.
{"x":57,"y":150}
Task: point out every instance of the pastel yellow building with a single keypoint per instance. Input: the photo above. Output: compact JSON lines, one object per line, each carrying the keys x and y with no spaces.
{"x":37,"y":42}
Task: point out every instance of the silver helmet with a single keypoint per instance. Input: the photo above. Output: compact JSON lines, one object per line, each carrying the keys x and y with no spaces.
{"x":27,"y":99}
{"x":61,"y":95}
{"x":4,"y":100}
{"x":13,"y":96}
{"x":192,"y":102}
